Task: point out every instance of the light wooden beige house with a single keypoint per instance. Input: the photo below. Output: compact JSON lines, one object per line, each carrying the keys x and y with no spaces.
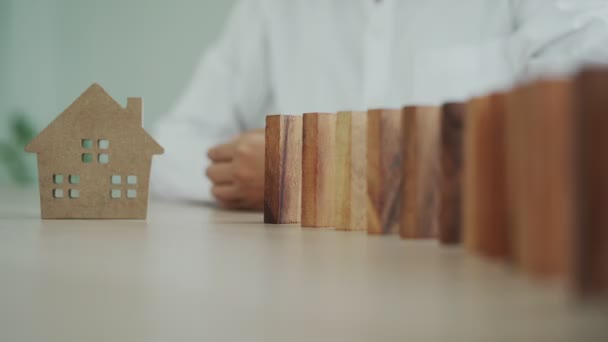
{"x":94,"y":160}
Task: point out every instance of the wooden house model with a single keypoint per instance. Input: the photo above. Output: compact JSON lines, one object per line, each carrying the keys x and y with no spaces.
{"x":94,"y":160}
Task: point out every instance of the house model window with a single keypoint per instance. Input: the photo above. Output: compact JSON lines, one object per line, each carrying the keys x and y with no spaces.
{"x":58,"y":193}
{"x":61,"y":187}
{"x":115,"y":193}
{"x":74,"y":180}
{"x":74,"y":193}
{"x":131,"y":183}
{"x":58,"y":181}
{"x":131,"y":193}
{"x":104,"y":158}
{"x":85,"y":167}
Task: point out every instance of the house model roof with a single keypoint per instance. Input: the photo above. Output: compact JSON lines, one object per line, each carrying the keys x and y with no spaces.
{"x":96,"y":107}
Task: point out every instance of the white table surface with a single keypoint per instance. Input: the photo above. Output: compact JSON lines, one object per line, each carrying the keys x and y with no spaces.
{"x":191,"y":273}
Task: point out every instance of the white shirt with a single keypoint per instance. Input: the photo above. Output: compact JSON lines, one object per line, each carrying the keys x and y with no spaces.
{"x":296,"y":56}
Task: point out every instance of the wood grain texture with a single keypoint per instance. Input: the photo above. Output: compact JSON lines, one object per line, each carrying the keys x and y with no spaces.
{"x":283,"y":169}
{"x":420,"y":213}
{"x":318,"y":158}
{"x":517,"y":159}
{"x":485,"y":229}
{"x":384,"y":170}
{"x":592,"y":239}
{"x":540,"y":163}
{"x":453,"y":121}
{"x":350,"y":168}
{"x":550,"y":216}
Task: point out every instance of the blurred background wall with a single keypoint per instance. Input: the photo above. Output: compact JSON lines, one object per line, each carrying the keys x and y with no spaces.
{"x":52,"y":50}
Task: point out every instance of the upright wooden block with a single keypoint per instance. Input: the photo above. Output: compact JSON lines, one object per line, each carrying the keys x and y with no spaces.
{"x":283,"y":169}
{"x":540,"y":163}
{"x":484,"y":220}
{"x":384,"y":170}
{"x":550,"y":214}
{"x":453,"y":121}
{"x":517,"y":159}
{"x":592,"y":232}
{"x":420,"y":215}
{"x":351,"y":164}
{"x":318,"y":157}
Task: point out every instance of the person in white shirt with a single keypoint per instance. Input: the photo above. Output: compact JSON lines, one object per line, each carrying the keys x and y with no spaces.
{"x":297,"y":56}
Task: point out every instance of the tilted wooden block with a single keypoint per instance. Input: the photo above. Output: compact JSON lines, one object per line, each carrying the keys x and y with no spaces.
{"x":453,"y":121}
{"x":318,"y":157}
{"x":592,"y":230}
{"x":485,"y":230}
{"x":350,"y":168}
{"x":283,"y":169}
{"x":420,"y":215}
{"x":384,"y":170}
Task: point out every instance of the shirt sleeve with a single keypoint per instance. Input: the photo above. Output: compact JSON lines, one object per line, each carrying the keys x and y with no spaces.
{"x":550,"y":38}
{"x":230,"y":83}
{"x":556,"y":37}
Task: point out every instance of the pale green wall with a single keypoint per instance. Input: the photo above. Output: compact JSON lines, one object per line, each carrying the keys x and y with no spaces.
{"x":56,"y":48}
{"x":4,"y":62}
{"x":5,"y":15}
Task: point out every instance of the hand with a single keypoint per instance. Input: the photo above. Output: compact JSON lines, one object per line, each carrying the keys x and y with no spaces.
{"x":237,"y":171}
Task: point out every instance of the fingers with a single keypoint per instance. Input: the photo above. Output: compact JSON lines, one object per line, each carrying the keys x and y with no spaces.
{"x":221,"y":153}
{"x":232,"y":205}
{"x":240,"y":205}
{"x":237,"y":171}
{"x":221,"y":173}
{"x":257,"y":131}
{"x":226,"y":193}
{"x":224,"y":190}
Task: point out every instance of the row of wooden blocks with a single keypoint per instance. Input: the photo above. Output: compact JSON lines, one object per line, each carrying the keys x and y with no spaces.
{"x":520,"y":176}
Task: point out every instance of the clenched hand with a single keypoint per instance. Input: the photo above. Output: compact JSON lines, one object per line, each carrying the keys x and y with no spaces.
{"x":237,"y":171}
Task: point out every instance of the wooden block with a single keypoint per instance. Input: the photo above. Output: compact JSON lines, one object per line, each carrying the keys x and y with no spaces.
{"x":351,"y":165}
{"x":517,"y":159}
{"x":384,"y":170}
{"x":592,"y":230}
{"x":540,"y":164}
{"x":421,"y":128}
{"x":485,"y":229}
{"x":453,"y":121}
{"x":318,"y":157}
{"x":283,"y":169}
{"x":550,"y":216}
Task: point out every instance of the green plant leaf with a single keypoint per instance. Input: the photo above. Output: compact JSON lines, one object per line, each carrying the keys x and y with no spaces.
{"x":22,"y":128}
{"x":12,"y":156}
